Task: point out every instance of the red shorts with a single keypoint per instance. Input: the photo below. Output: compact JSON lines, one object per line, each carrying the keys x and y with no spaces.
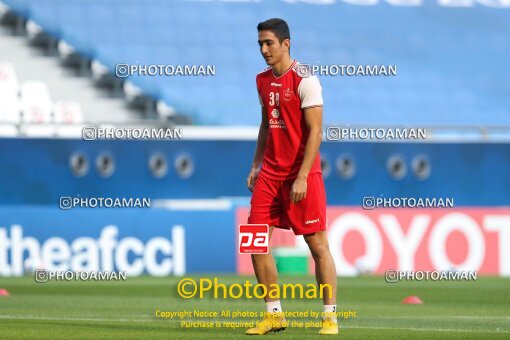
{"x":270,"y":204}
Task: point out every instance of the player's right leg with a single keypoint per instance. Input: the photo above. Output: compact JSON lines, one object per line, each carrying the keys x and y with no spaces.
{"x":265,"y":270}
{"x":266,"y":273}
{"x":264,"y":209}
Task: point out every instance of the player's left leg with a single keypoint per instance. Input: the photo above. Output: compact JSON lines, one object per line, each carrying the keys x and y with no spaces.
{"x":325,"y":270}
{"x":308,"y":218}
{"x":325,"y":273}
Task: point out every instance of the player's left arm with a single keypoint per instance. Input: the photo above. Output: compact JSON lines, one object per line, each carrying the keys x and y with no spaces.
{"x":313,"y":119}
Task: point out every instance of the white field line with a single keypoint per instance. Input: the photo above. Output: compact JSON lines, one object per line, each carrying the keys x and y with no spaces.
{"x":440,"y":317}
{"x":65,"y":318}
{"x":34,"y":317}
{"x":429,"y":329}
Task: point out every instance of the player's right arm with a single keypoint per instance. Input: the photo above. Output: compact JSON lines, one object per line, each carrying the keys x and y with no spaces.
{"x":259,"y":152}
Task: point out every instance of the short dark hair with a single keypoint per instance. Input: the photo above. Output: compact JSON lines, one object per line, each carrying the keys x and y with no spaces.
{"x":276,"y":25}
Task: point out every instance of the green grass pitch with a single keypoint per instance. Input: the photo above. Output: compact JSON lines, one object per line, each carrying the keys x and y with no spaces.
{"x":126,"y":309}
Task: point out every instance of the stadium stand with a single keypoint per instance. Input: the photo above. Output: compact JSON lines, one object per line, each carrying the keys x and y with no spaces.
{"x":67,"y":112}
{"x":36,"y":103}
{"x":435,"y":83}
{"x":9,"y":103}
{"x":30,"y":102}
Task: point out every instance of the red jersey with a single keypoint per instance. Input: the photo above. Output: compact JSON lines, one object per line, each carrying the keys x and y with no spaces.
{"x":285,"y":98}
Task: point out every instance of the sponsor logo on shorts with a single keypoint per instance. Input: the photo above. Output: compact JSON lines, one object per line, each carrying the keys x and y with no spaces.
{"x":312,"y":221}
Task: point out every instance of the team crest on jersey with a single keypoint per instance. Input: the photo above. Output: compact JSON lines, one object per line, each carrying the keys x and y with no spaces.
{"x":287,"y":95}
{"x":275,"y":113}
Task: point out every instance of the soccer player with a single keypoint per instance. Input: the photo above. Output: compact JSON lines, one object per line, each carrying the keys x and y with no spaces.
{"x":288,"y":190}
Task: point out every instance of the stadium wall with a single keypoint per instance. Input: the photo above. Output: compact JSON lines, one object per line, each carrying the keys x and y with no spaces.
{"x":39,"y":171}
{"x":157,"y":242}
{"x":162,"y":242}
{"x":177,"y":239}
